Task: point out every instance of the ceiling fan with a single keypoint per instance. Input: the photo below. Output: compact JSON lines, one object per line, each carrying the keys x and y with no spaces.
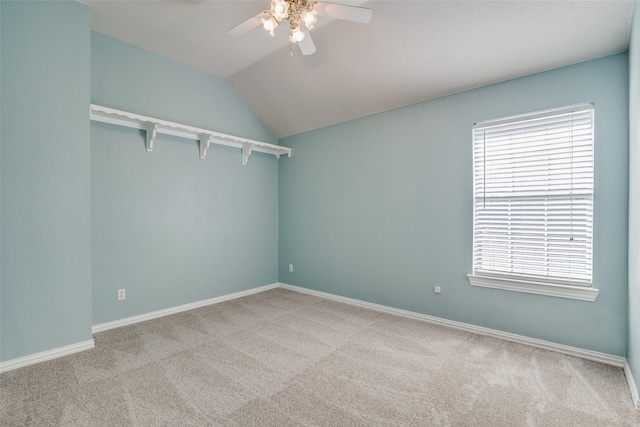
{"x":298,"y":13}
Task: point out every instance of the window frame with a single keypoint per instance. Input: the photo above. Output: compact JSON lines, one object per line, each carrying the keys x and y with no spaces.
{"x":514,"y":282}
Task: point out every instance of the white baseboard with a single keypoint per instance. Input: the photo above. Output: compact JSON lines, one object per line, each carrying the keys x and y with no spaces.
{"x":87,"y":345}
{"x":547,"y":345}
{"x":595,"y":356}
{"x":43,"y":356}
{"x":635,"y":397}
{"x":177,"y":309}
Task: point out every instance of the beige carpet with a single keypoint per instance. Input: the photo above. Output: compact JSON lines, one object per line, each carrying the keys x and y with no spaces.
{"x":283,"y":358}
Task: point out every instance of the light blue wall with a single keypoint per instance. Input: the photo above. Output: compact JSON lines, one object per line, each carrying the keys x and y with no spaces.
{"x":166,"y":226}
{"x":380,"y":208}
{"x":45,"y":201}
{"x":633,"y":354}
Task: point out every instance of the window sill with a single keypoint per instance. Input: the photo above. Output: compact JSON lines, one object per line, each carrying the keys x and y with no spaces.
{"x":562,"y":291}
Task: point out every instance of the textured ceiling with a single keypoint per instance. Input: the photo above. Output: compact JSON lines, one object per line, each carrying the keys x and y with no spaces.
{"x":411,"y":51}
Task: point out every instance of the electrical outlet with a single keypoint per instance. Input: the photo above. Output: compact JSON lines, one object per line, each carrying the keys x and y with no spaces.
{"x":290,"y":268}
{"x":121,"y":294}
{"x":436,"y":289}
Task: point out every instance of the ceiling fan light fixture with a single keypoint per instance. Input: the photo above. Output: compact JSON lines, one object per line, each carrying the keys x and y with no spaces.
{"x":269,"y":25}
{"x":302,"y":16}
{"x":296,"y":35}
{"x":279,"y":9}
{"x":309,"y":17}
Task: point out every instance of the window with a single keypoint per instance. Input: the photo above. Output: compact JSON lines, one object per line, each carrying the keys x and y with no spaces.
{"x":533,"y":203}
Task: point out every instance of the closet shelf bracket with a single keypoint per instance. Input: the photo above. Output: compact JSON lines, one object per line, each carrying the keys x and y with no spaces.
{"x":151,"y":130}
{"x":205,"y":142}
{"x":246,"y":152}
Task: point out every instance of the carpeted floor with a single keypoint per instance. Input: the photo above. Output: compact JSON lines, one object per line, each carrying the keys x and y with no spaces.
{"x":282,"y":358}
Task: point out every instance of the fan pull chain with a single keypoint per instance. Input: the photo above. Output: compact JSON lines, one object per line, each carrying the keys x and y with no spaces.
{"x":290,"y":49}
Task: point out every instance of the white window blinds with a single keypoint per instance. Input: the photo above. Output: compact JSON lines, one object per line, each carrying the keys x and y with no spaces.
{"x":533,"y":187}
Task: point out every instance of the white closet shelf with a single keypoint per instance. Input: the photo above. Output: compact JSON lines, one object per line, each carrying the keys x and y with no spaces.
{"x":153,"y":126}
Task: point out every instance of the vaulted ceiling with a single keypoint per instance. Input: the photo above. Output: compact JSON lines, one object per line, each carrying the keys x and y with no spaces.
{"x":411,"y":51}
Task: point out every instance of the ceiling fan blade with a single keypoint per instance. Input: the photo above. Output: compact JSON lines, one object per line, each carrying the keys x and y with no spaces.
{"x":247,"y":25}
{"x":307,"y":46}
{"x":343,"y":11}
